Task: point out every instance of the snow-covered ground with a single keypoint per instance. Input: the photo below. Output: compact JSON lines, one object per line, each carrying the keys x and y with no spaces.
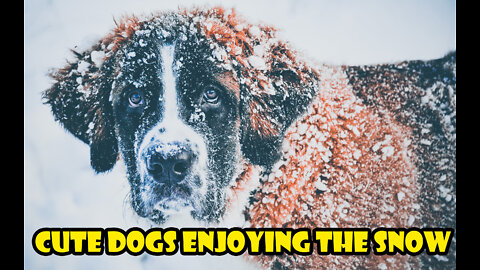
{"x":60,"y":188}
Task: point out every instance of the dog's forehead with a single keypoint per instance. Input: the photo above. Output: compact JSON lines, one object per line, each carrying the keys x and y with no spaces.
{"x":144,"y":50}
{"x":193,"y":58}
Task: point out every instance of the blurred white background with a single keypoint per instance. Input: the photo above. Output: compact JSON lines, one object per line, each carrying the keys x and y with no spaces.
{"x":60,"y":188}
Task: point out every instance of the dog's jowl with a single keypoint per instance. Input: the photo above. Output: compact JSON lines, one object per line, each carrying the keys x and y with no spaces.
{"x":211,"y":114}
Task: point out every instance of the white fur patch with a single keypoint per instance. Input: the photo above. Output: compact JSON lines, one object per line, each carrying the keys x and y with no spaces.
{"x":169,"y":135}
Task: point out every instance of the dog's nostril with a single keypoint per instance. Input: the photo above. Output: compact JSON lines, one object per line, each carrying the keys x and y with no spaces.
{"x":180,"y":167}
{"x":154,"y":167}
{"x":157,"y":168}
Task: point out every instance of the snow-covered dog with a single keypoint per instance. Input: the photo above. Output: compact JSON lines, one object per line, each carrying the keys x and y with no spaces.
{"x":212,"y":114}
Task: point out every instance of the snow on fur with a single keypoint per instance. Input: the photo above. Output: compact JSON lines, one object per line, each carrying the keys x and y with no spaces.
{"x":352,"y":159}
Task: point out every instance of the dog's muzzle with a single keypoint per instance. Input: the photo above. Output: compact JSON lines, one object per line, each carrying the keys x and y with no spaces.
{"x":172,"y":166}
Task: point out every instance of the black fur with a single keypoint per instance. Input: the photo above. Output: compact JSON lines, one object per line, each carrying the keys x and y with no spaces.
{"x":422,"y":96}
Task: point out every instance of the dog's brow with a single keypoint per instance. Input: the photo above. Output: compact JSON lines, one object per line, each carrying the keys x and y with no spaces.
{"x":229,"y":80}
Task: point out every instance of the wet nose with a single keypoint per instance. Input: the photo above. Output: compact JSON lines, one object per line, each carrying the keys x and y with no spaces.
{"x":167,"y":163}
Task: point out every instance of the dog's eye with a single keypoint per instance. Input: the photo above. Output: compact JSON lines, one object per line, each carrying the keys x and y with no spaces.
{"x":211,"y":95}
{"x":135,"y":99}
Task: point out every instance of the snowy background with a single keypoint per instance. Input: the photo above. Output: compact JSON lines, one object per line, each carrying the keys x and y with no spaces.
{"x":60,"y":189}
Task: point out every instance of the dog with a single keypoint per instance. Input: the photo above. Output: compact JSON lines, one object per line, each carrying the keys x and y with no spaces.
{"x":213,"y":115}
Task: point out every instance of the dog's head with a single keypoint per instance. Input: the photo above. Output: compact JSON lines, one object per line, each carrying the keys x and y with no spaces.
{"x":183,"y":97}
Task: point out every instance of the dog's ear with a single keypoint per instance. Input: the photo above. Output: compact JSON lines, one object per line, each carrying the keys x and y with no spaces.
{"x":272,"y":99}
{"x":79,"y":100}
{"x":80,"y":95}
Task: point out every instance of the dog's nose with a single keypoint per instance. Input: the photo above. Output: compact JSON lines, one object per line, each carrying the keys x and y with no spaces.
{"x":169,"y":163}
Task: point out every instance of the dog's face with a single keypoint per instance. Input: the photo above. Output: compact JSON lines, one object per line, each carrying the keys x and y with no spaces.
{"x":183,"y":102}
{"x":177,"y":120}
